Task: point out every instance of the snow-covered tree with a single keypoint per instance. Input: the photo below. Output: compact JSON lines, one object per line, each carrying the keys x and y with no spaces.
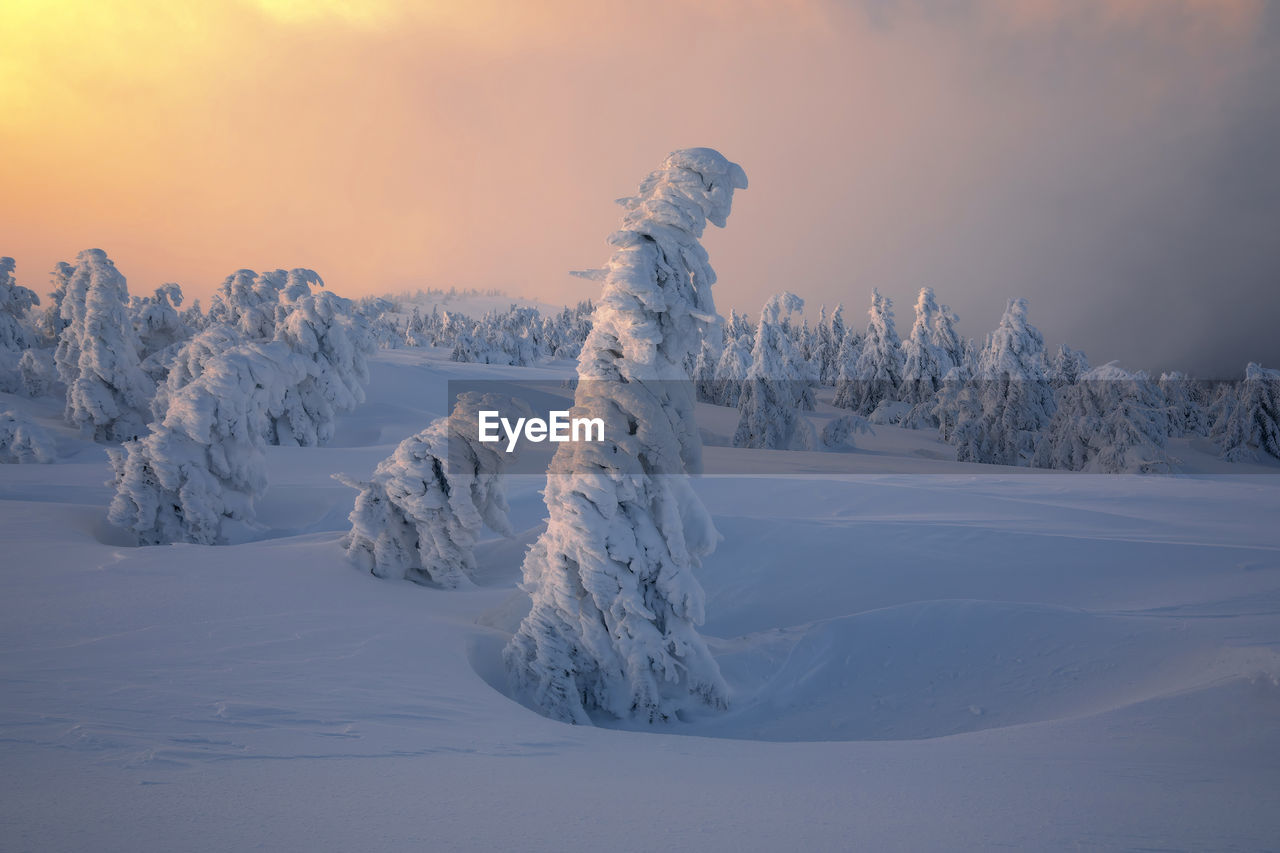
{"x":16,"y":301}
{"x":23,"y":441}
{"x":731,"y":369}
{"x":1251,"y":421}
{"x":37,"y":372}
{"x":1108,"y":421}
{"x":836,"y":333}
{"x":929,"y":352}
{"x":615,"y":603}
{"x":330,"y":337}
{"x":1067,"y":366}
{"x":706,"y":387}
{"x":777,"y":385}
{"x":1002,"y":411}
{"x":157,"y":322}
{"x":1185,"y":403}
{"x":203,"y":464}
{"x":17,"y":334}
{"x":877,"y":373}
{"x":419,"y":516}
{"x":108,"y":394}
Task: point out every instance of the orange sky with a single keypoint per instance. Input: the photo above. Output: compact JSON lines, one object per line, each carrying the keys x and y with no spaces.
{"x":480,"y":144}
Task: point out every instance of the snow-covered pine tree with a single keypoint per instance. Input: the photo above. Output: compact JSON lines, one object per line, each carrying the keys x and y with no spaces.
{"x":615,"y":606}
{"x":17,"y":334}
{"x":926,"y":359}
{"x":334,"y":343}
{"x":704,"y":373}
{"x":419,"y":516}
{"x":109,"y":395}
{"x":836,"y":333}
{"x":1067,"y":366}
{"x":157,"y":322}
{"x":877,"y":374}
{"x":23,"y":441}
{"x":1251,"y":421}
{"x":1184,"y":401}
{"x":777,"y":385}
{"x":1001,"y":413}
{"x":732,"y":366}
{"x":1108,"y":421}
{"x":203,"y":464}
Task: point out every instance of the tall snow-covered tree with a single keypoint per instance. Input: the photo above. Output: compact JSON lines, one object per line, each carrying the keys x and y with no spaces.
{"x":777,"y":385}
{"x":17,"y":334}
{"x":1250,"y":423}
{"x":615,"y":603}
{"x":877,"y":374}
{"x":1108,"y":421}
{"x":203,"y":465}
{"x":108,"y":394}
{"x":928,"y":353}
{"x":419,"y":517}
{"x":1001,"y":413}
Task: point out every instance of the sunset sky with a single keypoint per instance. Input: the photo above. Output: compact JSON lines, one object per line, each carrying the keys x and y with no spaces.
{"x":1115,"y":162}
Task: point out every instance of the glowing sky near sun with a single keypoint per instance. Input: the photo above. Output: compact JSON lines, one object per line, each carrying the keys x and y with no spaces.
{"x":984,"y":148}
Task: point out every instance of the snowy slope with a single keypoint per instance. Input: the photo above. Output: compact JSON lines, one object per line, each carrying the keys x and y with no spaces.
{"x":922,"y":656}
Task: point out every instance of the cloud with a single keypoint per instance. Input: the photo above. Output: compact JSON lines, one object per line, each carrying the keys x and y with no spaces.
{"x":1099,"y":158}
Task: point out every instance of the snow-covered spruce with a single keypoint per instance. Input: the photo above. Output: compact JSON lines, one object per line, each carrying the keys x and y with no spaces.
{"x":777,"y":385}
{"x":1250,"y":422}
{"x":1067,"y":366}
{"x":108,"y":394}
{"x":159,"y":326}
{"x":877,"y":373}
{"x":323,"y":329}
{"x":1185,"y":400}
{"x":733,"y":364}
{"x":1109,"y":421}
{"x":17,"y":334}
{"x":999,"y":415}
{"x":419,"y":516}
{"x":615,"y":603}
{"x":929,"y":352}
{"x":23,"y":441}
{"x":203,"y":464}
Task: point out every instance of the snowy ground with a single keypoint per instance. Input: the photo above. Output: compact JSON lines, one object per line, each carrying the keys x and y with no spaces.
{"x":960,"y":657}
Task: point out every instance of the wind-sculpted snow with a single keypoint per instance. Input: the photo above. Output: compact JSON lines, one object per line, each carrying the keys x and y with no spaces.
{"x":615,"y":603}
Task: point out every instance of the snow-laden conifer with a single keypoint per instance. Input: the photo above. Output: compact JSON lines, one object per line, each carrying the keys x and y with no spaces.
{"x":777,"y":386}
{"x":877,"y":373}
{"x":615,"y":603}
{"x":23,"y":441}
{"x":419,"y":516}
{"x":1185,"y":403}
{"x":108,"y":394}
{"x":1000,"y":414}
{"x":1250,"y":422}
{"x":203,"y":464}
{"x":1108,"y":421}
{"x":928,"y":353}
{"x":17,"y":333}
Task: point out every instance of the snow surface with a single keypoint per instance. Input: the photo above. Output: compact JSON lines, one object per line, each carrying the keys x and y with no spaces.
{"x":945,"y":656}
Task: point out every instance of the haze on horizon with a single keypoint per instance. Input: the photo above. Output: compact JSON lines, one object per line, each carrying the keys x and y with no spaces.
{"x":1117,"y":162}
